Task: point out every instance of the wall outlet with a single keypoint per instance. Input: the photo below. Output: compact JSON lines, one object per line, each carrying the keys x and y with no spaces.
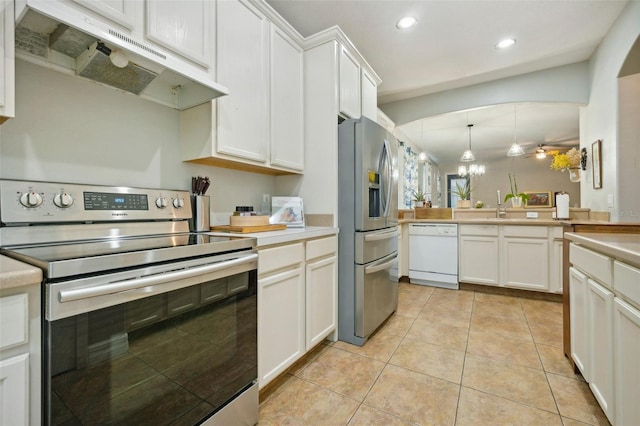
{"x":532,"y":215}
{"x":610,"y":201}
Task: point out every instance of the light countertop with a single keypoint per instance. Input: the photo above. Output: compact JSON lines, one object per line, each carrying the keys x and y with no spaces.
{"x":17,"y":274}
{"x":624,"y":247}
{"x":285,"y":236}
{"x":493,"y":221}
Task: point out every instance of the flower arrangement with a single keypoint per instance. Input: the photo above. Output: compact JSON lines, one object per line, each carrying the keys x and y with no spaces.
{"x":569,"y":160}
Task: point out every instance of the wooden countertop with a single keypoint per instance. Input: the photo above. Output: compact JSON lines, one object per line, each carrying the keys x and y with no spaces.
{"x":17,"y":274}
{"x":624,"y":247}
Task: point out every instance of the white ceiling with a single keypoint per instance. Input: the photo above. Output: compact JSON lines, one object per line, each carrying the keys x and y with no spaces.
{"x":453,"y":46}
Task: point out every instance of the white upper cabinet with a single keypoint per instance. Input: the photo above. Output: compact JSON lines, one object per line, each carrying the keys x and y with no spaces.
{"x":119,"y":11}
{"x":243,"y":117}
{"x":7,"y":61}
{"x":259,"y":127}
{"x":287,"y":103}
{"x":185,"y":27}
{"x":349,"y":84}
{"x":369,"y":89}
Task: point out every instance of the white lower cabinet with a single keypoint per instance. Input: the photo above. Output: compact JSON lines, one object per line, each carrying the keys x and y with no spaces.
{"x":20,"y":356}
{"x":626,"y":361}
{"x":478,"y":254}
{"x":297,"y":302}
{"x":605,"y":331}
{"x":519,"y":254}
{"x":322,"y":286}
{"x":515,"y":256}
{"x":600,"y":331}
{"x":579,"y":321}
{"x":281,"y":309}
{"x":14,"y":390}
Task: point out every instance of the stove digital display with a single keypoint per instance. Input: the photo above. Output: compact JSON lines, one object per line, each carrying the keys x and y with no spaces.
{"x":108,"y":201}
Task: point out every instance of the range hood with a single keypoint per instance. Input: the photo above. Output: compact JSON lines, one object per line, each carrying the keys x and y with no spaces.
{"x":81,"y":47}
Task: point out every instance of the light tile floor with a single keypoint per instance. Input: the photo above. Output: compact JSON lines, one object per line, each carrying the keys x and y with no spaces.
{"x":445,"y":357}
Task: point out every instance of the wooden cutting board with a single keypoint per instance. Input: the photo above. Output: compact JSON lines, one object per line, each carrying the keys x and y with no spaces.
{"x":248,"y":229}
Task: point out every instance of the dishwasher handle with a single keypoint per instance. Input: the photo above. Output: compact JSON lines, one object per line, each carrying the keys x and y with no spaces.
{"x":136,"y":283}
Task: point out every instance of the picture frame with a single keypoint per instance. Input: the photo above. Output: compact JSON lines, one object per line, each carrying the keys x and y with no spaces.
{"x":287,"y":211}
{"x":538,"y":199}
{"x":596,"y":164}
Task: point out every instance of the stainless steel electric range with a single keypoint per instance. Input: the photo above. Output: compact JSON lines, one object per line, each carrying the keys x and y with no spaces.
{"x":143,"y":321}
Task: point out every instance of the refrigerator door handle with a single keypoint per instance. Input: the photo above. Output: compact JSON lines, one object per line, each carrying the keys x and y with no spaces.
{"x":381,"y":236}
{"x":382,"y":266}
{"x":386,"y":169}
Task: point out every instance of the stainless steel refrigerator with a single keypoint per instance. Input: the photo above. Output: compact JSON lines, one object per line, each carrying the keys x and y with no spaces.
{"x":368,"y":219}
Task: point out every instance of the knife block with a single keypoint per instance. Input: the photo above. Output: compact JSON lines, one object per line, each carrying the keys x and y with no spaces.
{"x":200,"y":213}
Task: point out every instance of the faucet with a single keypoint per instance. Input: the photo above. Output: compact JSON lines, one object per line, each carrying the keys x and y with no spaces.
{"x":500,"y":212}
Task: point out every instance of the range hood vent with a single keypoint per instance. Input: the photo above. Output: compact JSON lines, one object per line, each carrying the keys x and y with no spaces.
{"x":113,"y":59}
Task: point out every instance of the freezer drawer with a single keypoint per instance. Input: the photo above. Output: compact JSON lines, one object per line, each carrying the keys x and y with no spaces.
{"x":374,"y":245}
{"x":376,"y":294}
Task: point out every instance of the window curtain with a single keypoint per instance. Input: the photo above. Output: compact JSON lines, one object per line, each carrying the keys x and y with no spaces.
{"x":410,"y":181}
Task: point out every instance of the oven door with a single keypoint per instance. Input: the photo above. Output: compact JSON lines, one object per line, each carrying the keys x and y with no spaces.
{"x":170,"y":344}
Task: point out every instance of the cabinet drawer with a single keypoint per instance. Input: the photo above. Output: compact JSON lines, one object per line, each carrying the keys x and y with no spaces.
{"x":321,"y":247}
{"x":275,"y":258}
{"x":557,"y":232}
{"x":525,"y":231}
{"x":626,"y":280}
{"x":14,"y":320}
{"x":592,"y":263}
{"x":490,"y":230}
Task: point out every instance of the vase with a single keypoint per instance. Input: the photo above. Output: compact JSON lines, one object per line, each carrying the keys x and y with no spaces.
{"x":463,"y":204}
{"x":419,"y":204}
{"x":574,"y":174}
{"x":516,"y":202}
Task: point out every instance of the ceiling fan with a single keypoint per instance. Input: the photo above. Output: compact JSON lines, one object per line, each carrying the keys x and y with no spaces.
{"x":542,"y":151}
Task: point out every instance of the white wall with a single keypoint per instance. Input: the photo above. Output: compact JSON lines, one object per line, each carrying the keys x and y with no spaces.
{"x":71,"y":130}
{"x":531,"y":174}
{"x":599,"y":119}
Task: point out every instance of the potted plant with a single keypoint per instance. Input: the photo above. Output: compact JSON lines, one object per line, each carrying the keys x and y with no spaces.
{"x":464,"y":193}
{"x":516,"y":197}
{"x":419,"y":197}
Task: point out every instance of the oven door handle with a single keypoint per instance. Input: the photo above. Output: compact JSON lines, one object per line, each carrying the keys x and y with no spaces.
{"x":121,"y":286}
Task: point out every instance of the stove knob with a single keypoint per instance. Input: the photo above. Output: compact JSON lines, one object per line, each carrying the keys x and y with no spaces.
{"x":63,"y":200}
{"x":161,"y":202}
{"x":178,"y":203}
{"x":31,"y":199}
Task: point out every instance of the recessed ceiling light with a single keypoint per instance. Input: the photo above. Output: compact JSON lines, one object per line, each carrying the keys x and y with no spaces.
{"x":507,"y":42}
{"x":406,"y":22}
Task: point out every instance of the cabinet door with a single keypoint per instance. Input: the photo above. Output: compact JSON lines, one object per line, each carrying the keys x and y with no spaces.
{"x":626,"y":337}
{"x":7,"y":62}
{"x":555,"y":267}
{"x":525,"y":263}
{"x":281,"y":300}
{"x":478,"y":260}
{"x":287,"y":103}
{"x":118,"y":11}
{"x":243,"y":118}
{"x":369,"y":96}
{"x":579,"y":329}
{"x":600,"y":314}
{"x":322,"y":285}
{"x":349,"y":84}
{"x":182,"y":26}
{"x":14,"y":390}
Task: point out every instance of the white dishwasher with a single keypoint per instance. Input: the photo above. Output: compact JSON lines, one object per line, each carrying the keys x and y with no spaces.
{"x":433,"y":254}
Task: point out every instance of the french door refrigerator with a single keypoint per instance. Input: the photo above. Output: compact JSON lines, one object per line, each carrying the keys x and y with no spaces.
{"x":368,"y":219}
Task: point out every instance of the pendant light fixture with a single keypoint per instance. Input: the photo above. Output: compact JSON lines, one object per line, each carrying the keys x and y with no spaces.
{"x":473,"y":169}
{"x":468,"y":156}
{"x":515,"y":150}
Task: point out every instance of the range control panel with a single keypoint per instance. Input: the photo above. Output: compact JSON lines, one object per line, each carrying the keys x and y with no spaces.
{"x":51,"y":202}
